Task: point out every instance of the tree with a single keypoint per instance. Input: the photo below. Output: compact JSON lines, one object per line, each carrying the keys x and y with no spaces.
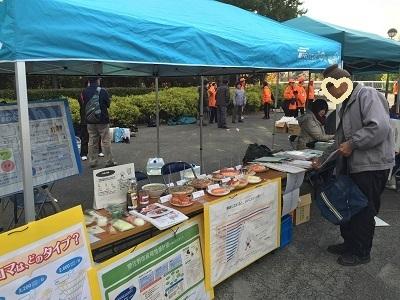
{"x":279,"y":10}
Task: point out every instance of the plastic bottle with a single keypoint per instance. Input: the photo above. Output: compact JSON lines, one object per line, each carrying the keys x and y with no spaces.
{"x":132,"y":196}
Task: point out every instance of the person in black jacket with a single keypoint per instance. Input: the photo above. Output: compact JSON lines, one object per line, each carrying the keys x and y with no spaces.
{"x":84,"y":135}
{"x":223,"y":98}
{"x":100,"y":128}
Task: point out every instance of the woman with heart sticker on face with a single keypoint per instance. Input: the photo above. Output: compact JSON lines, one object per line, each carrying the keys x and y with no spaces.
{"x":365,"y":142}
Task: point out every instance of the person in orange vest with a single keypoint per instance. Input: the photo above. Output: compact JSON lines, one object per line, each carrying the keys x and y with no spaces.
{"x":212,"y":102}
{"x":395,"y":90}
{"x":289,"y":105}
{"x":301,"y":96}
{"x":242,"y":82}
{"x":267,"y":98}
{"x":310,"y":93}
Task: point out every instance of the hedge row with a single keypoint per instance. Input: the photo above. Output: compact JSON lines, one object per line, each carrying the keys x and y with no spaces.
{"x":133,"y":109}
{"x":38,"y":94}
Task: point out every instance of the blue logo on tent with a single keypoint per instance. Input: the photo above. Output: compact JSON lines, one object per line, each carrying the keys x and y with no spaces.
{"x":31,"y":285}
{"x":69,"y":265}
{"x":127,"y":294}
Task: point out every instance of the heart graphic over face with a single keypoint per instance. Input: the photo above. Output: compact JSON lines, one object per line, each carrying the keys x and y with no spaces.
{"x":336,"y":84}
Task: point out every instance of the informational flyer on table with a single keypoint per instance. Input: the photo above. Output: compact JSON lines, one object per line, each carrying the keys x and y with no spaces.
{"x":54,"y":149}
{"x":169,"y":266}
{"x":52,"y":267}
{"x":240,"y":229}
{"x":111,"y":184}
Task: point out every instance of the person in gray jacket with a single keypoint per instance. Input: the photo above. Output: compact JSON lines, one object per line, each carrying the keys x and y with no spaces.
{"x":312,"y":125}
{"x":365,"y":142}
{"x":239,"y":101}
{"x":223,"y":97}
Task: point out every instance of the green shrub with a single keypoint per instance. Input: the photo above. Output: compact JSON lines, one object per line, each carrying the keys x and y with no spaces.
{"x":123,"y":113}
{"x":74,"y":108}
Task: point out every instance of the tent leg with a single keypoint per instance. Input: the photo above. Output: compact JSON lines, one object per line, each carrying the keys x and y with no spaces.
{"x":308,"y":89}
{"x":398,"y":96}
{"x":276,"y":106}
{"x":201,"y":122}
{"x":387,"y":86}
{"x":23,"y":117}
{"x":157,"y":117}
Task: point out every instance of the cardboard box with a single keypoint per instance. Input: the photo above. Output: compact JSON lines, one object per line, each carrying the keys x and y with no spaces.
{"x":302,"y":213}
{"x":294,"y":129}
{"x":281,"y":127}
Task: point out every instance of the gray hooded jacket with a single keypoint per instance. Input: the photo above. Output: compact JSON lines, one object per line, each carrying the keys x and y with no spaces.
{"x":364,"y":121}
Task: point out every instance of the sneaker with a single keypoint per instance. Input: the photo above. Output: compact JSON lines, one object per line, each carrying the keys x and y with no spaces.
{"x":338,"y":249}
{"x":225,"y":127}
{"x":101,"y":154}
{"x":352,"y":260}
{"x":84,"y":158}
{"x":111,"y":164}
{"x":240,"y":121}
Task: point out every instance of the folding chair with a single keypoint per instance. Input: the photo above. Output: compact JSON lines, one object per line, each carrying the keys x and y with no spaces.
{"x":42,"y":196}
{"x":175,"y":167}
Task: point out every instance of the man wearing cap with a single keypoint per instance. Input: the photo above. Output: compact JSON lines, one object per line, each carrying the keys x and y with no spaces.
{"x":301,"y":96}
{"x":366,"y":146}
{"x":310,"y":93}
{"x":101,"y":128}
{"x":289,"y":104}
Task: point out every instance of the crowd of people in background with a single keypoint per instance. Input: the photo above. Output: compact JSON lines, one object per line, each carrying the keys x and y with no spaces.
{"x":297,"y":97}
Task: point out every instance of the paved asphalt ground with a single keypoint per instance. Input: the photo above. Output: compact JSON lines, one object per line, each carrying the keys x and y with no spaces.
{"x":303,"y":269}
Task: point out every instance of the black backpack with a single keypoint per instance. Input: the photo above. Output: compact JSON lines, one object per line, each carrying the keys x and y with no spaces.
{"x":256,"y":151}
{"x":92,"y":109}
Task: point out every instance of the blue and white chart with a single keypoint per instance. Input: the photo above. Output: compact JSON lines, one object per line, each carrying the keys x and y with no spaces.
{"x":242,"y":229}
{"x":54,"y":150}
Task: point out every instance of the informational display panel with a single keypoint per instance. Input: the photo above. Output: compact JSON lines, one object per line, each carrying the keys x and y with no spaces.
{"x":54,"y":149}
{"x":168,"y":266}
{"x":111,"y":184}
{"x":240,"y":229}
{"x":46,"y":259}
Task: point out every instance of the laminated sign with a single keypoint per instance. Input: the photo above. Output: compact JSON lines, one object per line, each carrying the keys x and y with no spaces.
{"x":47,"y":259}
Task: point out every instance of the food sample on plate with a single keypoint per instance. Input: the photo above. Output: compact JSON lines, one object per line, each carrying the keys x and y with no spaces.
{"x":257,"y":168}
{"x":253,"y":179}
{"x":184,"y":189}
{"x":200,"y":183}
{"x":219,"y":191}
{"x":237,"y":183}
{"x":229,"y":172}
{"x":181,"y":200}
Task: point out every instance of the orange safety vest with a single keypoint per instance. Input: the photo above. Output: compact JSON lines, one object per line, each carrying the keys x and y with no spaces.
{"x":266,"y":96}
{"x":395,"y":88}
{"x":212,"y":102}
{"x":301,"y":96}
{"x":289,"y":95}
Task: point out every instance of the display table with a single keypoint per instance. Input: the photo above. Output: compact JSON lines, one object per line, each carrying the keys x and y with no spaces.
{"x":111,"y":244}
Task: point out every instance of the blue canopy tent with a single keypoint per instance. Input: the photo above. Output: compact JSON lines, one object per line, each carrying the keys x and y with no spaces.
{"x":361,"y":51}
{"x":154,"y":38}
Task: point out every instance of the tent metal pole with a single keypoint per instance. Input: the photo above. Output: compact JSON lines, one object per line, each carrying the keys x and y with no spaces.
{"x":276,"y":107}
{"x":201,"y":122}
{"x":387,"y":86}
{"x":23,"y":117}
{"x":308,"y":88}
{"x":398,"y":95}
{"x":157,"y":117}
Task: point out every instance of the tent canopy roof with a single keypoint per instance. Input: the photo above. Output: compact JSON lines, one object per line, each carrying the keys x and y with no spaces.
{"x":361,"y":51}
{"x":153,"y":38}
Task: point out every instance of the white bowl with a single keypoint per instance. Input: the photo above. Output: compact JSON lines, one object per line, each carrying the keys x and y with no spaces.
{"x":155,"y":190}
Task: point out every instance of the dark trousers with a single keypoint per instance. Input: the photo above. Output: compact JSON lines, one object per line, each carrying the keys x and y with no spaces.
{"x":85,"y":141}
{"x":213,"y":115}
{"x":358,"y":233}
{"x":221,"y":115}
{"x":301,"y":109}
{"x":267,"y":107}
{"x":237,"y":111}
{"x":293,"y":113}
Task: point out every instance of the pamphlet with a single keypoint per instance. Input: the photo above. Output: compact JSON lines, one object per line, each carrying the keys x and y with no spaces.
{"x":160,"y":216}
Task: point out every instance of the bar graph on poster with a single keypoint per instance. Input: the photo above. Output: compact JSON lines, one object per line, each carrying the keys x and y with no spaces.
{"x":240,"y":230}
{"x":54,"y":150}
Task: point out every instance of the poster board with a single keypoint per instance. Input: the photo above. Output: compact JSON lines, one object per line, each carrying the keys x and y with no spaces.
{"x":168,"y":266}
{"x":111,"y":185}
{"x":240,"y":229}
{"x":54,"y":150}
{"x":46,"y":259}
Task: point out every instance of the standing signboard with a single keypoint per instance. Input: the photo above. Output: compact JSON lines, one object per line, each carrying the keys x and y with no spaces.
{"x":240,"y":229}
{"x":54,"y":150}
